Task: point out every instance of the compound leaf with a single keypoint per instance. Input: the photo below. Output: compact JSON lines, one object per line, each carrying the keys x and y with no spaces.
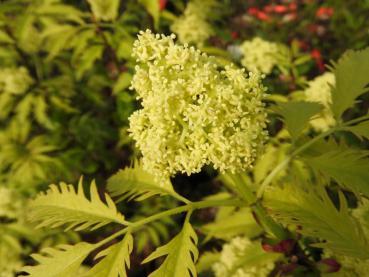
{"x":181,"y":254}
{"x":349,"y":168}
{"x":64,"y":206}
{"x":361,"y":129}
{"x":61,"y":261}
{"x":115,"y":259}
{"x":314,"y":211}
{"x":352,"y":78}
{"x":297,"y":115}
{"x":135,"y":183}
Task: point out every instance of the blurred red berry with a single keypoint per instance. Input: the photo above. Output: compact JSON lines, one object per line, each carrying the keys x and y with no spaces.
{"x":312,"y":28}
{"x":162,"y":4}
{"x":284,"y":246}
{"x":288,"y":268}
{"x":263,"y":16}
{"x":280,"y":9}
{"x":302,"y":44}
{"x":268,"y":8}
{"x":252,"y":11}
{"x":267,"y":247}
{"x":324,"y":13}
{"x":328,"y":265}
{"x":292,"y":6}
{"x":234,"y":35}
{"x":317,"y":56}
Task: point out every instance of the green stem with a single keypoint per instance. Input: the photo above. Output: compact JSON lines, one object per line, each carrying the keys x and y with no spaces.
{"x":287,"y":160}
{"x":134,"y":226}
{"x":302,"y":148}
{"x":267,"y":223}
{"x":181,"y":198}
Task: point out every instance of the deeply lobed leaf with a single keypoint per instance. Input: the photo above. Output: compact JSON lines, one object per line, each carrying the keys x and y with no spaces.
{"x":313,"y":210}
{"x":349,"y":168}
{"x":135,"y":183}
{"x":181,"y":254}
{"x":115,"y":259}
{"x":62,"y":261}
{"x":352,"y":78}
{"x":64,"y":206}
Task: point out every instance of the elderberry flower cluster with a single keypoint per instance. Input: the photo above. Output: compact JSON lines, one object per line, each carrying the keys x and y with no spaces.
{"x":260,"y":55}
{"x":234,"y":260}
{"x":319,"y":91}
{"x":194,"y":113}
{"x":192,"y":27}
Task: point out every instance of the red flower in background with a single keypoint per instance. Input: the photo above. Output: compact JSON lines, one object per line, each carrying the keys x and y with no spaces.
{"x":280,"y":9}
{"x":302,"y":44}
{"x":234,"y":35}
{"x":252,"y":11}
{"x":162,"y":4}
{"x":317,"y":56}
{"x":324,"y":13}
{"x":268,"y":8}
{"x":292,"y":6}
{"x":263,"y":16}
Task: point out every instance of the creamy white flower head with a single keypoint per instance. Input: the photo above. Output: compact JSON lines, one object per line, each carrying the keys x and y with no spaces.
{"x":260,"y":55}
{"x":319,"y":91}
{"x":233,"y":260}
{"x":194,"y":113}
{"x":14,"y":80}
{"x":192,"y":27}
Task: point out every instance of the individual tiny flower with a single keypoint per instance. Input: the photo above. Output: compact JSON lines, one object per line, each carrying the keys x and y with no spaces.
{"x":192,"y":27}
{"x":260,"y":55}
{"x":193,"y":112}
{"x":236,"y":259}
{"x":319,"y":91}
